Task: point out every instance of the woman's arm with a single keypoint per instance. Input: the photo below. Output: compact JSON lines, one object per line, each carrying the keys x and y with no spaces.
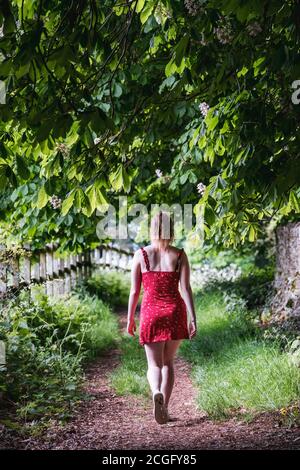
{"x":136,"y":278}
{"x":186,"y":290}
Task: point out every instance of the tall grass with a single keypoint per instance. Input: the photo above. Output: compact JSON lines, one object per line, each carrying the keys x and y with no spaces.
{"x":48,"y":340}
{"x":130,"y":376}
{"x":234,"y":368}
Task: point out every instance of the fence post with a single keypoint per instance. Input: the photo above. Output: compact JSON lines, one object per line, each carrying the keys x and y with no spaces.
{"x":43,"y":269}
{"x":108,"y":259}
{"x":16,"y":272}
{"x":79,"y":267}
{"x":97,"y":255}
{"x":67,"y":270}
{"x":55,"y":274}
{"x":89,"y":262}
{"x":128,"y":257}
{"x":85,"y":264}
{"x":36,"y":269}
{"x":27,"y":266}
{"x":61,"y":275}
{"x":104,"y":257}
{"x":125,"y":260}
{"x":73,"y":267}
{"x":49,"y":269}
{"x":3,"y":275}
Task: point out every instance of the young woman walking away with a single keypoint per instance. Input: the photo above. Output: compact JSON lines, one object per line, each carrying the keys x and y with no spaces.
{"x":159,"y":267}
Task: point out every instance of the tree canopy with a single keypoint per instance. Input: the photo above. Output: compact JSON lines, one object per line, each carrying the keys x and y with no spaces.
{"x":162,"y":101}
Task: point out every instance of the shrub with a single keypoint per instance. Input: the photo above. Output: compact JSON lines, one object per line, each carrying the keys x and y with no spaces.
{"x":47,"y":340}
{"x":112,"y":287}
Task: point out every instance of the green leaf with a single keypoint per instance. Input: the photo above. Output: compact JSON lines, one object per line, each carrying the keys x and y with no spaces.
{"x":126,"y":180}
{"x":140,"y":5}
{"x":180,"y":49}
{"x":100,"y":198}
{"x":209,"y":215}
{"x":209,"y":154}
{"x":22,"y":169}
{"x":167,"y":83}
{"x":79,"y":197}
{"x":184,"y":178}
{"x":219,"y":147}
{"x":3,"y":175}
{"x":202,"y":142}
{"x":243,"y":71}
{"x":146,"y":12}
{"x":294,"y":201}
{"x":225,"y":128}
{"x":67,"y":203}
{"x":120,"y":179}
{"x":42,"y":198}
{"x":91,"y":194}
{"x":239,"y":156}
{"x":211,"y":122}
{"x":171,"y":67}
{"x":23,"y":70}
{"x":252,"y":233}
{"x":117,"y":90}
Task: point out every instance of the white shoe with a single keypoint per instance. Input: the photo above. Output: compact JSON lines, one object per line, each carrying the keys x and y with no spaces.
{"x":159,"y":409}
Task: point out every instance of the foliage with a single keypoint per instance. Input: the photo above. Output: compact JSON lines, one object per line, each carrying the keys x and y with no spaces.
{"x":101,"y":95}
{"x":112,"y":287}
{"x":255,"y":286}
{"x":47,"y":342}
{"x":237,"y":276}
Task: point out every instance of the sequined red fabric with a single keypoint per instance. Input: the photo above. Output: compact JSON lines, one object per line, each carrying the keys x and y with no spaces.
{"x":163,"y":314}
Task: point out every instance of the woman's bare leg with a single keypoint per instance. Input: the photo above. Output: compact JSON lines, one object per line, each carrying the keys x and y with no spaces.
{"x":154,"y":353}
{"x":168,"y":377}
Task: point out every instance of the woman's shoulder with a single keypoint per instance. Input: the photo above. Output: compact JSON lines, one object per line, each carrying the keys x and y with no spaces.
{"x":148,"y":249}
{"x":139,"y":251}
{"x":176,"y":250}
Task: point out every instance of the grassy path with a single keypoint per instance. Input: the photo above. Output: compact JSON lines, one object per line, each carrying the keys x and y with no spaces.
{"x":111,"y":421}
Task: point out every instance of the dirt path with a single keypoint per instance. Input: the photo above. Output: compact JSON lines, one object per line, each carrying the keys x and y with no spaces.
{"x":112,"y":422}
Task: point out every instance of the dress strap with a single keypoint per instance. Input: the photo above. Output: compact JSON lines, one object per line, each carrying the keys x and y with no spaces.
{"x":146,"y":258}
{"x":178,"y":258}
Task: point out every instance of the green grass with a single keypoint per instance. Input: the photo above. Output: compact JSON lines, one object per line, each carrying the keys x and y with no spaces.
{"x":130,"y":376}
{"x":234,"y":369}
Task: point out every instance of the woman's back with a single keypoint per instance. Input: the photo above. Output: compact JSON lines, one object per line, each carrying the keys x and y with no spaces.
{"x":163,"y":315}
{"x":161,"y":260}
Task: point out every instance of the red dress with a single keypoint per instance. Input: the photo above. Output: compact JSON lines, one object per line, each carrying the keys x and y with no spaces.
{"x":163,"y":314}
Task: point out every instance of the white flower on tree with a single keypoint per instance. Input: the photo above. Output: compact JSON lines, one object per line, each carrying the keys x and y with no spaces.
{"x":193,"y":7}
{"x":64,"y":149}
{"x":224,"y":31}
{"x":159,"y":173}
{"x":204,"y":107}
{"x":55,"y":202}
{"x":253,"y":29}
{"x":201,"y":188}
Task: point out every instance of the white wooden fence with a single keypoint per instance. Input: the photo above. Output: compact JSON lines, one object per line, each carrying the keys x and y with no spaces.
{"x":58,"y":274}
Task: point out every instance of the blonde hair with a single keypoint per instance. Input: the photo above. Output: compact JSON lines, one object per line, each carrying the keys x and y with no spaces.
{"x":162,"y":228}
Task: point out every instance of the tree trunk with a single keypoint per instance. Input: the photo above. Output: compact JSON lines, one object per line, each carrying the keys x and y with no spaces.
{"x":286,"y":302}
